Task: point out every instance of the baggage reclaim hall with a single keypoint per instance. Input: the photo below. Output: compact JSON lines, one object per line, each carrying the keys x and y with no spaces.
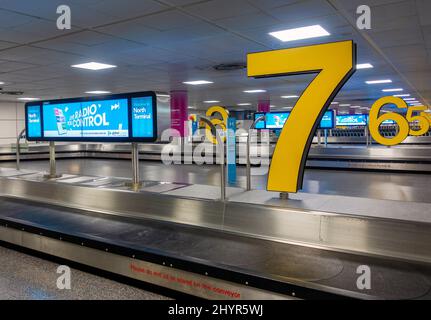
{"x":227,"y":150}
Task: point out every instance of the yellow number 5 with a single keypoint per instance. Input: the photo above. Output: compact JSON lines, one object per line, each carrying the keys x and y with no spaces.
{"x":334,"y":64}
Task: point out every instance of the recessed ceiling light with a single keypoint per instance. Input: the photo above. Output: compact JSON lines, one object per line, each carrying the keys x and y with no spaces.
{"x":197,"y":82}
{"x":364,"y":66}
{"x":355,"y":107}
{"x":300,"y":33}
{"x":345,"y":105}
{"x":289,"y":97}
{"x":98,"y":92}
{"x":28,"y":99}
{"x":335,"y":103}
{"x":393,"y":90}
{"x":255,"y":91}
{"x":190,"y":107}
{"x":378,"y":81}
{"x":409,"y":99}
{"x":244,"y":104}
{"x":401,"y":95}
{"x":211,"y":101}
{"x":94,"y":66}
{"x":1,"y":83}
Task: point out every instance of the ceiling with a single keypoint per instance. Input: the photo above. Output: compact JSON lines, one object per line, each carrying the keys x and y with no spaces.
{"x":159,"y":44}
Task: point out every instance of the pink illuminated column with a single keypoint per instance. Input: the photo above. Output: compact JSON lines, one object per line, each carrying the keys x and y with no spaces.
{"x":264,"y":106}
{"x":179,"y":111}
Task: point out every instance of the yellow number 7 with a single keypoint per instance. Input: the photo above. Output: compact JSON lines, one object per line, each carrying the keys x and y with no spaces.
{"x":334,"y":64}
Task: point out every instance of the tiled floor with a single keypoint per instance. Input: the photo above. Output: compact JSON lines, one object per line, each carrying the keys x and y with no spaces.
{"x":24,"y":277}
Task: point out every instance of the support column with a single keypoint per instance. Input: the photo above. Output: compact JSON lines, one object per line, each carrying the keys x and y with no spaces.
{"x":179,"y":116}
{"x":179,"y":111}
{"x":264,"y":105}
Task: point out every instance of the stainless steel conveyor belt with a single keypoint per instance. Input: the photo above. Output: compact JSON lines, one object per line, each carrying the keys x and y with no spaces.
{"x":402,"y":158}
{"x":227,"y":265}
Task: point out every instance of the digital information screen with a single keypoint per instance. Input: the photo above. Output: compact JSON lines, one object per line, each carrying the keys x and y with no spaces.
{"x":116,"y":118}
{"x":276,"y":120}
{"x":34,"y":122}
{"x":328,"y":120}
{"x":352,"y":120}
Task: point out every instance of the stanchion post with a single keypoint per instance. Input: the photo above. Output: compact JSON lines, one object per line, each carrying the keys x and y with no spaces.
{"x":136,"y":182}
{"x":18,"y":149}
{"x":220,"y":147}
{"x":248,"y":165}
{"x":326,"y":138}
{"x":52,"y":162}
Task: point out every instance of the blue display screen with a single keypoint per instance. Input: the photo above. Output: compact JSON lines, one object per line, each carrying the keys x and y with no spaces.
{"x":276,"y":120}
{"x":106,"y":118}
{"x":142,"y":117}
{"x":124,"y":117}
{"x":328,"y":120}
{"x":352,"y":120}
{"x":34,"y":122}
{"x":260,"y":124}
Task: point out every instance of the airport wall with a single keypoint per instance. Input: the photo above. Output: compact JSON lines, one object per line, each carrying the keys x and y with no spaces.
{"x":11,"y":121}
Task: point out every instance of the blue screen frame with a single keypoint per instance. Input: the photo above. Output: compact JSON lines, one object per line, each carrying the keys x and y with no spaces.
{"x":33,"y":122}
{"x":134,"y":133}
{"x":353,"y":124}
{"x":322,"y":125}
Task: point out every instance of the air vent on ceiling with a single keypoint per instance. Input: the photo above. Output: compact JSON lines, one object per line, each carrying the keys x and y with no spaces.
{"x":12,"y":93}
{"x":230,"y":66}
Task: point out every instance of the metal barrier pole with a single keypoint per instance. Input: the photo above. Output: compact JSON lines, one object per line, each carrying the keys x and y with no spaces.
{"x":319,"y":137}
{"x":52,"y":162}
{"x":248,"y":169}
{"x":18,"y":149}
{"x":367,"y":136}
{"x":220,"y":145}
{"x":135,"y":164}
{"x":326,"y":138}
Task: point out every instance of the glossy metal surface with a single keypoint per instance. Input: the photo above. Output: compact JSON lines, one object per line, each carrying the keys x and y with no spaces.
{"x":401,"y":158}
{"x":365,"y":235}
{"x":252,"y":127}
{"x":221,"y":155}
{"x":18,"y":147}
{"x":137,"y":269}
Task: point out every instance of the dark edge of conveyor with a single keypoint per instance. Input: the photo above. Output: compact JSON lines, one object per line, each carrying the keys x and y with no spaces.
{"x":254,"y":281}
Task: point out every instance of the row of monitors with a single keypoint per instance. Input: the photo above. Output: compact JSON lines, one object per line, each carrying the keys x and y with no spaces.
{"x":276,"y":120}
{"x":115,"y":118}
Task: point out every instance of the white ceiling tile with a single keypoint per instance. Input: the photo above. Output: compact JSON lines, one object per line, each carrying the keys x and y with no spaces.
{"x":221,"y":9}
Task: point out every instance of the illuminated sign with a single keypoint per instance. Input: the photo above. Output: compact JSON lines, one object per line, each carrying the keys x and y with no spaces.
{"x":334,"y":63}
{"x":220,"y":124}
{"x":115,"y":118}
{"x":376,"y":120}
{"x":277,"y":120}
{"x":34,"y":122}
{"x":352,"y":120}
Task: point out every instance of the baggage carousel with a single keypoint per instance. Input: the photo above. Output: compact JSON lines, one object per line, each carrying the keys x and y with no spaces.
{"x":164,"y":235}
{"x":403,"y":158}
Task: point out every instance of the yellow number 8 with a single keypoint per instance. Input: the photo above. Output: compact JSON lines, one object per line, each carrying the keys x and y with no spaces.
{"x":376,"y":121}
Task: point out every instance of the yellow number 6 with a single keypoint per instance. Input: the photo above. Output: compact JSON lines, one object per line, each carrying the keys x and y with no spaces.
{"x":334,"y":64}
